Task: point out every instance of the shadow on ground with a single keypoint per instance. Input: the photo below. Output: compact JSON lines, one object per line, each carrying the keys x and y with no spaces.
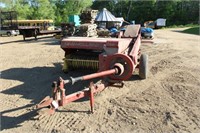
{"x":8,"y":122}
{"x":36,"y":84}
{"x":41,"y":39}
{"x":37,"y":81}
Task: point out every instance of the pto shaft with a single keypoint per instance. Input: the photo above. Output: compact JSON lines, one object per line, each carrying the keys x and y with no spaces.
{"x":91,"y":76}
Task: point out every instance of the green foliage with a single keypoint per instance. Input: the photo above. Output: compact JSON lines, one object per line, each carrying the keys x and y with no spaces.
{"x":177,"y":12}
{"x":100,"y":4}
{"x":143,"y":11}
{"x":42,"y":9}
{"x":32,"y":9}
{"x":23,"y":9}
{"x":70,"y":7}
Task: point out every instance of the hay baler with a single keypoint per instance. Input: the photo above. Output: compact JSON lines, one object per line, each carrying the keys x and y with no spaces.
{"x":115,"y":60}
{"x":102,"y":53}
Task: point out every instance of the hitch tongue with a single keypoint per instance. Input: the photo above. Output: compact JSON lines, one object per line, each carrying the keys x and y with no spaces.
{"x":45,"y":102}
{"x":67,"y":81}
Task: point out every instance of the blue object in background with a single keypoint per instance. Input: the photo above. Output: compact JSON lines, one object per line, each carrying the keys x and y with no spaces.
{"x":146,"y":30}
{"x":75,"y":19}
{"x":113,"y":30}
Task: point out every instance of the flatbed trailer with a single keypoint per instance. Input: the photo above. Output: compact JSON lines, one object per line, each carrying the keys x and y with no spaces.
{"x":34,"y":31}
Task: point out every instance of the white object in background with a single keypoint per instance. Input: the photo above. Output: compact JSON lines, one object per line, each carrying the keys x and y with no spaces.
{"x":161,"y":22}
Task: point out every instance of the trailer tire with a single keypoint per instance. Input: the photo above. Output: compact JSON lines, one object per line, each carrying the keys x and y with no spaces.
{"x":35,"y":34}
{"x":143,"y":66}
{"x":8,"y":34}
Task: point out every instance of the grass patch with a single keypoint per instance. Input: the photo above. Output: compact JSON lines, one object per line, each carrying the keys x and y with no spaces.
{"x":182,"y":26}
{"x":193,"y":30}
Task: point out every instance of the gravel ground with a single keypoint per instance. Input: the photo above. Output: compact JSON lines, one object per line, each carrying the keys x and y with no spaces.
{"x":167,"y":101}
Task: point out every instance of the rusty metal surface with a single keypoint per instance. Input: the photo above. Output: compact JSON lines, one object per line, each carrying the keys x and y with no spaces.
{"x":110,"y":45}
{"x":119,"y":68}
{"x":56,"y":103}
{"x":74,"y":46}
{"x":132,"y":31}
{"x":100,"y":74}
{"x":134,"y":51}
{"x":125,"y":61}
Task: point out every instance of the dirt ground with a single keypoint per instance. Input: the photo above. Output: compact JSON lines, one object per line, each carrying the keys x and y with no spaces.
{"x":167,"y":101}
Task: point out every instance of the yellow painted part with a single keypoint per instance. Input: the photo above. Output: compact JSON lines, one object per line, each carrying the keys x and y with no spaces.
{"x":58,"y":36}
{"x":77,"y":63}
{"x":65,"y":66}
{"x":51,"y":28}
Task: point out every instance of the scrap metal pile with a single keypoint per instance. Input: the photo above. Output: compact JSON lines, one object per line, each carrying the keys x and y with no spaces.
{"x":115,"y":60}
{"x":87,"y":30}
{"x":87,"y":27}
{"x":103,"y":32}
{"x":68,"y":29}
{"x":88,"y":16}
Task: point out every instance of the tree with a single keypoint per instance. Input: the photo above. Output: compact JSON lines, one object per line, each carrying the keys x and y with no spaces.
{"x":100,"y":4}
{"x":175,"y":11}
{"x":122,"y":8}
{"x":64,"y":8}
{"x":42,"y":9}
{"x":23,"y":9}
{"x":32,"y":9}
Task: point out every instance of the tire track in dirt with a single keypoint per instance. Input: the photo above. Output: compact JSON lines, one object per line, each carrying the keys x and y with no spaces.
{"x":163,"y":57}
{"x":65,"y":119}
{"x":154,"y":109}
{"x":49,"y":122}
{"x":169,"y":64}
{"x":124,"y":112}
{"x":170,"y":68}
{"x":183,"y":89}
{"x":12,"y":105}
{"x":60,"y":121}
{"x":164,"y":102}
{"x":129,"y":109}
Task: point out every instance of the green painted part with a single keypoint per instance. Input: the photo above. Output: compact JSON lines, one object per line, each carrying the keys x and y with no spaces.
{"x":75,"y":19}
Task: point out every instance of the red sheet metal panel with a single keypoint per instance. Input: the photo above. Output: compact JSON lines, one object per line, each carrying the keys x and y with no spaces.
{"x":110,"y":45}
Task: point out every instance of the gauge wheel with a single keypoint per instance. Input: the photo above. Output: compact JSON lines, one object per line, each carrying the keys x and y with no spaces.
{"x":143,"y":66}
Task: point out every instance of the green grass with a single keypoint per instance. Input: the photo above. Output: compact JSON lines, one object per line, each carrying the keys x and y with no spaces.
{"x":192,"y":30}
{"x":182,"y":26}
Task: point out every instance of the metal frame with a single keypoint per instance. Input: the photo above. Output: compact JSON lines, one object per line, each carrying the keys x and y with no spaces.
{"x":116,"y":64}
{"x":60,"y":99}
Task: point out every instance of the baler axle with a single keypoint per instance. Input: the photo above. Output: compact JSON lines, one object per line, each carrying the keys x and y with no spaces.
{"x":117,"y":70}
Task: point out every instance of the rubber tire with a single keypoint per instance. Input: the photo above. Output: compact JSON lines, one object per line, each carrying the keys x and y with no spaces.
{"x":143,"y":66}
{"x":35,"y":34}
{"x":8,"y":34}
